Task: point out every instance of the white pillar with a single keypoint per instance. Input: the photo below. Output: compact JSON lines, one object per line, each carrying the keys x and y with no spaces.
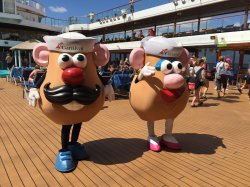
{"x":19,"y":58}
{"x":15,"y":55}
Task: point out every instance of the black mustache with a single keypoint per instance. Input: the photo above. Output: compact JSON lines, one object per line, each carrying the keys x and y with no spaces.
{"x":66,"y":94}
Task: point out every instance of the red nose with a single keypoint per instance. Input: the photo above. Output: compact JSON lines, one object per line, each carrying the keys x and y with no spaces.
{"x":73,"y":76}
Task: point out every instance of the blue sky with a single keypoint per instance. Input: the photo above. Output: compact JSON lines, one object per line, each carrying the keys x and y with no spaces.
{"x":63,"y":9}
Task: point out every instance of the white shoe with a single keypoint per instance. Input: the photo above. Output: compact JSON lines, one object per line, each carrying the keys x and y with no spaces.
{"x":153,"y":143}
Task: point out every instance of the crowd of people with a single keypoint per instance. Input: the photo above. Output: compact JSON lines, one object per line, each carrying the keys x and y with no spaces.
{"x":136,"y":36}
{"x":198,"y":79}
{"x":117,"y":67}
{"x":224,"y":77}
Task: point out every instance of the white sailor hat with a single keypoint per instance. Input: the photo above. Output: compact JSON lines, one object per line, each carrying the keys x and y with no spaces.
{"x":161,"y":46}
{"x":70,"y":42}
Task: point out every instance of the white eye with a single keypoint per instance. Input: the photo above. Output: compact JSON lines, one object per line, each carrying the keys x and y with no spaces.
{"x":166,"y":67}
{"x":177,"y":66}
{"x":65,"y":60}
{"x":80,"y":60}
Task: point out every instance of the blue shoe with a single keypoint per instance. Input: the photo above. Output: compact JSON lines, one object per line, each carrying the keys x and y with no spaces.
{"x":65,"y":162}
{"x":78,"y":151}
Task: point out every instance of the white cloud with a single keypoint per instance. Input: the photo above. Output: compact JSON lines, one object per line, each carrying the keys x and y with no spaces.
{"x":57,"y":9}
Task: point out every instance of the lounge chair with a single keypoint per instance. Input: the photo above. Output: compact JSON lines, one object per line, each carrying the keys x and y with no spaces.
{"x":17,"y":75}
{"x":26,"y":73}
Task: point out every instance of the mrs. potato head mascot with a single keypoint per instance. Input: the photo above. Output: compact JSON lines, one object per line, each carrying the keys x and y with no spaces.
{"x":71,"y":92}
{"x":159,"y":91}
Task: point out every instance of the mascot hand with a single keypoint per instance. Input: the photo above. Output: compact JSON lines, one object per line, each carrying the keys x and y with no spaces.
{"x":109,"y":92}
{"x":33,"y":96}
{"x":146,"y":71}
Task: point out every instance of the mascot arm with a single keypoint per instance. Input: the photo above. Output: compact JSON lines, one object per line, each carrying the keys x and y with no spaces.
{"x":146,"y":71}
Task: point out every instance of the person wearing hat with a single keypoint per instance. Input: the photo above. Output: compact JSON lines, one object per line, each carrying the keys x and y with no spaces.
{"x":71,"y":92}
{"x":160,"y":90}
{"x":231,"y":73}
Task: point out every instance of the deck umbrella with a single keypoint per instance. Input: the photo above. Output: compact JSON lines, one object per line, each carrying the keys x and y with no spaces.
{"x":26,"y":46}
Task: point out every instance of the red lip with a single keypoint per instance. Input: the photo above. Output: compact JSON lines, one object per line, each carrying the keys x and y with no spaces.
{"x":171,"y":95}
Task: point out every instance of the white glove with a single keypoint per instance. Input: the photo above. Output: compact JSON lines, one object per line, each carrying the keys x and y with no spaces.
{"x":146,"y":71}
{"x":33,"y":96}
{"x":109,"y":92}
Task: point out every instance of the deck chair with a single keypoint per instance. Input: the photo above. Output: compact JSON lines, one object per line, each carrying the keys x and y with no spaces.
{"x":106,"y":76}
{"x":26,"y":73}
{"x":28,"y":85}
{"x":121,"y":82}
{"x":17,"y":75}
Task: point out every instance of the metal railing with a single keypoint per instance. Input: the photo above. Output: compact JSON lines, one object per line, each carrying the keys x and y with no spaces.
{"x":32,"y":4}
{"x":54,"y":22}
{"x":44,"y":20}
{"x":104,"y":15}
{"x":217,"y":24}
{"x":115,"y":12}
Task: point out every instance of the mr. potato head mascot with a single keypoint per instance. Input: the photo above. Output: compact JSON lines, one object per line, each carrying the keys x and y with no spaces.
{"x":71,"y":92}
{"x":159,"y":91}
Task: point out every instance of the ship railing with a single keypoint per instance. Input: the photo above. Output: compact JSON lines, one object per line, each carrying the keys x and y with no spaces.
{"x":209,"y":25}
{"x":32,"y":4}
{"x":115,"y":13}
{"x":54,"y":22}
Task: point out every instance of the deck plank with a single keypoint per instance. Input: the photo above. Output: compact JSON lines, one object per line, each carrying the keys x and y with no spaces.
{"x":5,"y":180}
{"x":18,"y":163}
{"x":215,"y":146}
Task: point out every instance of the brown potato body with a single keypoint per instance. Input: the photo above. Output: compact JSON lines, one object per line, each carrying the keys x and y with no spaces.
{"x":58,"y":113}
{"x":146,"y":100}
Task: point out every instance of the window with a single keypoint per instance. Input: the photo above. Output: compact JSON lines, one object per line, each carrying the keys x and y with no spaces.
{"x":210,"y":54}
{"x":246,"y":61}
{"x":9,"y":6}
{"x":1,"y":5}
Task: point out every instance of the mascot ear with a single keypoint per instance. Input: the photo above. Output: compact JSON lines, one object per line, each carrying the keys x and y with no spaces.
{"x":136,"y":58}
{"x":41,"y":54}
{"x":101,"y":55}
{"x":184,"y":57}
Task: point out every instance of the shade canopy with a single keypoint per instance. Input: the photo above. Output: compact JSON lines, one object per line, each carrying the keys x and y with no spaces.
{"x":27,"y":45}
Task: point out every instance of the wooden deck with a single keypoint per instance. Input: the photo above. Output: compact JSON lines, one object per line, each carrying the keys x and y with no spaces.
{"x":215,"y":139}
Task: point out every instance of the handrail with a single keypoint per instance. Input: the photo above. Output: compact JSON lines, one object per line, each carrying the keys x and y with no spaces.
{"x":79,"y":19}
{"x":33,"y":4}
{"x":136,"y":1}
{"x":204,"y":19}
{"x":168,"y":31}
{"x":98,"y":15}
{"x":242,"y":14}
{"x":54,"y":22}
